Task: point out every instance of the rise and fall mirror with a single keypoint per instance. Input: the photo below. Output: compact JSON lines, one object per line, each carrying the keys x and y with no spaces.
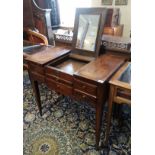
{"x":88,"y":27}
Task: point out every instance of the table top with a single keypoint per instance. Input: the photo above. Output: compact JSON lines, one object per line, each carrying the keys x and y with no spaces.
{"x":98,"y":70}
{"x":101,"y":69}
{"x":43,"y":54}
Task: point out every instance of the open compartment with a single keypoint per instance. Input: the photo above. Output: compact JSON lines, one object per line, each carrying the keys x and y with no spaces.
{"x":68,"y":64}
{"x":59,"y":73}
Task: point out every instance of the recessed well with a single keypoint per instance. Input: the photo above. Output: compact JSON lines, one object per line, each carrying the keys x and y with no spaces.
{"x":69,"y":65}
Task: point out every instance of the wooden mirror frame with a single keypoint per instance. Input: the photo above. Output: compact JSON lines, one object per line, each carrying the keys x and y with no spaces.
{"x":102,"y":12}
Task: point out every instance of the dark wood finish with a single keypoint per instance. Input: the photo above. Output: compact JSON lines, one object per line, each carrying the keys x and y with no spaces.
{"x":100,"y":69}
{"x":86,"y":79}
{"x":46,"y":53}
{"x":69,"y":65}
{"x":36,"y":17}
{"x":27,"y":14}
{"x":120,"y":92}
{"x":92,"y":77}
{"x":36,"y":93}
{"x":83,"y":86}
{"x":97,"y":73}
{"x":125,"y":55}
{"x":36,"y":58}
{"x":90,"y":11}
{"x":42,"y":22}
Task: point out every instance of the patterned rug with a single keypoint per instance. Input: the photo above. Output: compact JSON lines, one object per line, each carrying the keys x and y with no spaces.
{"x":67,"y":127}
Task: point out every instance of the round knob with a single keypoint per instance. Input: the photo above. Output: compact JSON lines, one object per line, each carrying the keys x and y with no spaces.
{"x":84,"y":87}
{"x":83,"y":96}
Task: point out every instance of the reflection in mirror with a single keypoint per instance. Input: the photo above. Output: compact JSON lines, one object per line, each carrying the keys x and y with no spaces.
{"x":87,"y":32}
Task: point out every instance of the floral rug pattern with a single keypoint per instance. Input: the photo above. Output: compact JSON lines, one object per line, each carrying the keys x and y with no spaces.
{"x":67,"y":127}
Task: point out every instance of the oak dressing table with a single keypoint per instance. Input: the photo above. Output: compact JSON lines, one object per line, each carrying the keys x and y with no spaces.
{"x":79,"y":73}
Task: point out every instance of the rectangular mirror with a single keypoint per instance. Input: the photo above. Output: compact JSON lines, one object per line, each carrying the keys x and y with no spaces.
{"x":87,"y":32}
{"x":88,"y":27}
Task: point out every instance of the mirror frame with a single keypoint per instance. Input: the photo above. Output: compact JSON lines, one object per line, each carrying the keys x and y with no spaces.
{"x":102,"y":12}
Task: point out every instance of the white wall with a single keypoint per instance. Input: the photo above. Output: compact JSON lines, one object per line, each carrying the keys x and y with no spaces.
{"x":125,"y":14}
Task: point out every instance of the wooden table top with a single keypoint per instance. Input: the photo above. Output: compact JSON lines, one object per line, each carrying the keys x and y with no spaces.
{"x":98,"y":70}
{"x":43,"y":54}
{"x":101,"y":68}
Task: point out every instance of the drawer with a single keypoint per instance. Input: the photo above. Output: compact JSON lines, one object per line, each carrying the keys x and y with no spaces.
{"x":52,"y":77}
{"x":51,"y":71}
{"x":58,"y":87}
{"x":64,"y":89}
{"x":68,"y":83}
{"x":66,"y":77}
{"x":57,"y":75}
{"x":52,"y":84}
{"x":84,"y":97}
{"x":85,"y":87}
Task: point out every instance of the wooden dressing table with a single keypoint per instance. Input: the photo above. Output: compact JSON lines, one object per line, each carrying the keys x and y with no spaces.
{"x":78,"y":72}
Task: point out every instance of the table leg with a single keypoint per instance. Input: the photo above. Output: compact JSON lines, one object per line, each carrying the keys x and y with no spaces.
{"x":110,"y":102}
{"x":99,"y":113}
{"x":36,"y":94}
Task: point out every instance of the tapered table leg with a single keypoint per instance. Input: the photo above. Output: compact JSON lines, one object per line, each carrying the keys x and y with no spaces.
{"x":99,"y":113}
{"x":36,"y":94}
{"x":110,"y":102}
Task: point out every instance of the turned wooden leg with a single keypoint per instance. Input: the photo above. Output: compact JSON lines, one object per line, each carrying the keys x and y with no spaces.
{"x":37,"y":94}
{"x":110,"y":102}
{"x":99,"y":113}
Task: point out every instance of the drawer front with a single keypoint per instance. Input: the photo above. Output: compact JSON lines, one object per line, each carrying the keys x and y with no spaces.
{"x":85,"y":87}
{"x":51,"y":71}
{"x":66,"y":77}
{"x":52,"y":77}
{"x":59,"y":76}
{"x":59,"y":87}
{"x":52,"y":84}
{"x":64,"y":89}
{"x":84,"y":97}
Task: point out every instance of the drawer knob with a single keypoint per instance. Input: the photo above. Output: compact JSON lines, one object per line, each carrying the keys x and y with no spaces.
{"x":83,"y":87}
{"x":83,"y":96}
